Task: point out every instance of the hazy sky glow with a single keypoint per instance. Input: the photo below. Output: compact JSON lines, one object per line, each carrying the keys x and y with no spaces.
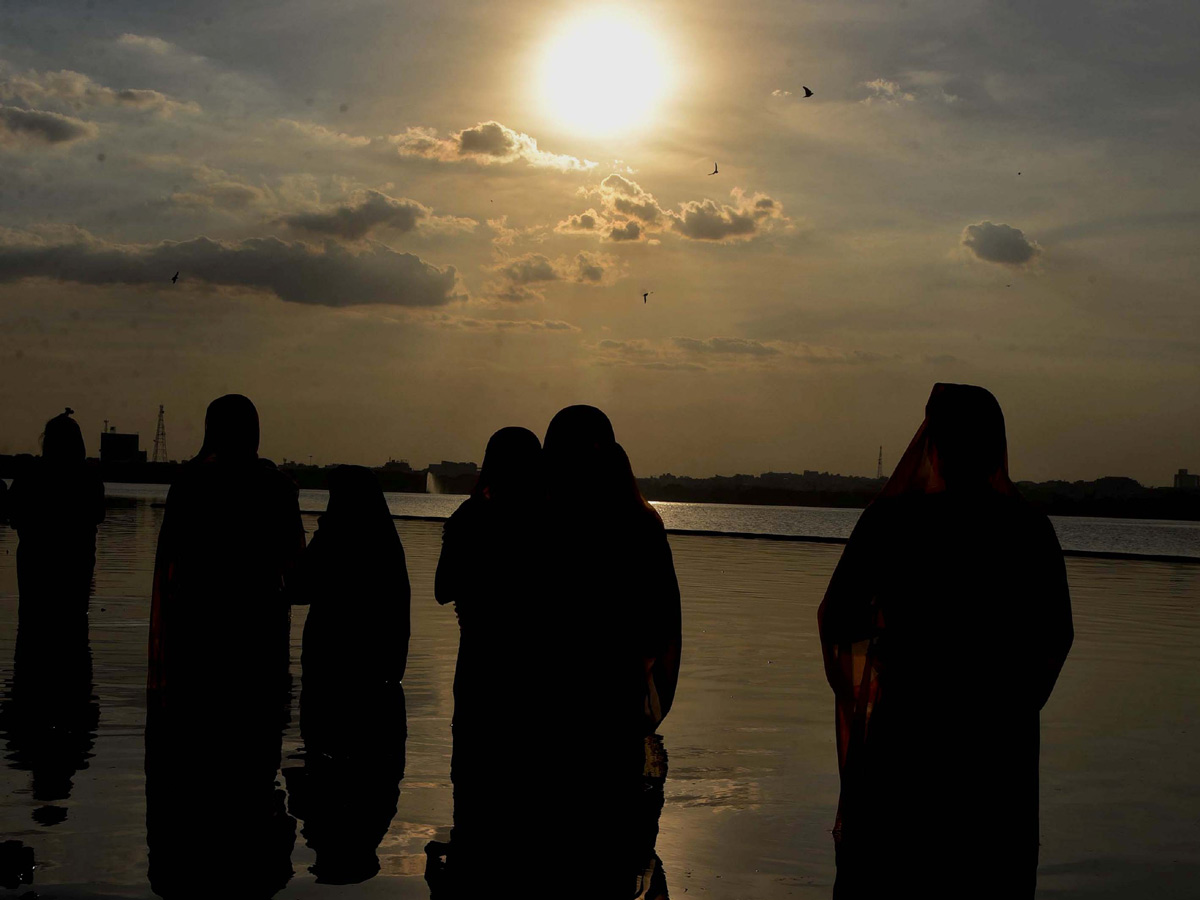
{"x":400,"y":226}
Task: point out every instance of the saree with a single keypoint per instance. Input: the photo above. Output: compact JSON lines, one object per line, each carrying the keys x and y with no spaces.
{"x":943,"y":630}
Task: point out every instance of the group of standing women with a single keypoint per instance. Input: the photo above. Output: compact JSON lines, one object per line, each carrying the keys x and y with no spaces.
{"x":944,"y":628}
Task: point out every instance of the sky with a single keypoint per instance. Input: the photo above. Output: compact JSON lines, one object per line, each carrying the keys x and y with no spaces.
{"x":400,"y":226}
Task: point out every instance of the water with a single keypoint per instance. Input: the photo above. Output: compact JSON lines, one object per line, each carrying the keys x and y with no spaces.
{"x":1146,"y":537}
{"x":753,"y":781}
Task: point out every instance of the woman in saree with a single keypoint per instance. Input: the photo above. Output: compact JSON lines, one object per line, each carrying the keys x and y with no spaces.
{"x":943,"y":629}
{"x":218,"y":674}
{"x":55,"y":506}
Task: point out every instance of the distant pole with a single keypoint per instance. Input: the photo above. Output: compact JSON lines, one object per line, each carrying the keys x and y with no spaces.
{"x":160,"y":438}
{"x":879,"y":465}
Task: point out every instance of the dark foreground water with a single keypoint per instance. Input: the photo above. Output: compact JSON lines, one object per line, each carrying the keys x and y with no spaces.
{"x":752,"y":784}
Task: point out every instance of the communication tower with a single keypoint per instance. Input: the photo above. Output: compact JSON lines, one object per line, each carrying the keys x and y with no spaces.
{"x":878,"y":465}
{"x":160,"y":438}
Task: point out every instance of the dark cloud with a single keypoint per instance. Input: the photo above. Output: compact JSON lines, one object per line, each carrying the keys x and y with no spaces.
{"x":740,"y":346}
{"x":35,"y":126}
{"x":77,"y":91}
{"x":328,"y":275}
{"x":224,"y":194}
{"x":357,"y":219}
{"x":707,"y":220}
{"x":630,"y":231}
{"x":588,"y":222}
{"x":487,"y":143}
{"x":626,"y":197}
{"x":521,"y":278}
{"x":1001,"y":244}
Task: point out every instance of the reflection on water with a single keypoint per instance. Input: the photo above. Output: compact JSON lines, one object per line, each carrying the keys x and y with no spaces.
{"x":753,"y":780}
{"x":1143,"y":536}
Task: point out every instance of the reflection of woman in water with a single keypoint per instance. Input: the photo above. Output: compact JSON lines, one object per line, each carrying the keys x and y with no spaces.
{"x":55,"y":507}
{"x":944,"y":629}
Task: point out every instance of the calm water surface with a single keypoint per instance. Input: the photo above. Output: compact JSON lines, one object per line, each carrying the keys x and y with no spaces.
{"x":752,"y":784}
{"x":1152,"y":537}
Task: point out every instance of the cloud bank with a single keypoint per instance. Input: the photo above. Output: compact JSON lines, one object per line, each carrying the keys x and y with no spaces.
{"x":488,"y":143}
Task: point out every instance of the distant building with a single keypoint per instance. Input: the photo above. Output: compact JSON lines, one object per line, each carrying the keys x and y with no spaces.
{"x":447,"y":469}
{"x":451,"y":477}
{"x":1187,"y":482}
{"x":120,"y":448}
{"x":398,"y":465}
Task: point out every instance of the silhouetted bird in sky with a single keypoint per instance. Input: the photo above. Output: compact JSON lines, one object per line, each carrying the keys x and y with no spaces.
{"x":714,"y":171}
{"x":807,"y":92}
{"x":645,"y":295}
{"x":174,"y":278}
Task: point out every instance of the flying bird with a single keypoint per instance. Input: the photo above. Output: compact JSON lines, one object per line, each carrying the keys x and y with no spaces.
{"x":714,"y":171}
{"x":807,"y":92}
{"x":645,"y":295}
{"x":174,"y":278}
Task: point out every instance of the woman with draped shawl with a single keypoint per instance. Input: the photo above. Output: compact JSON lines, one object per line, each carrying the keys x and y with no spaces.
{"x":230,"y":535}
{"x":218,"y":675}
{"x":55,"y":506}
{"x":944,"y":628}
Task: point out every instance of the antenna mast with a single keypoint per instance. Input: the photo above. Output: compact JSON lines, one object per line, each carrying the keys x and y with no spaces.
{"x":878,"y":465}
{"x":160,"y":439}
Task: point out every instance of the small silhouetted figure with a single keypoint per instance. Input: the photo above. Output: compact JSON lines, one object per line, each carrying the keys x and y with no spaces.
{"x":944,"y":629}
{"x":646,"y":296}
{"x":219,"y":621}
{"x":55,"y":506}
{"x":174,"y":278}
{"x":714,"y":171}
{"x":352,"y":715}
{"x":807,"y":92}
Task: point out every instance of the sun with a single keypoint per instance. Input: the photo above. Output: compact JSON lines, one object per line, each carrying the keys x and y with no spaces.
{"x":603,"y":74}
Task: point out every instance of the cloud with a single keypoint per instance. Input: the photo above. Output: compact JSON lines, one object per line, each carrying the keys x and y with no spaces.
{"x":740,"y":346}
{"x":326,"y":275}
{"x":630,"y":231}
{"x":523,"y":277}
{"x":884,"y":91}
{"x":622,"y":196}
{"x":532,"y":326}
{"x":321,"y":135}
{"x":779,"y":92}
{"x":1001,"y":244}
{"x":32,"y":127}
{"x":147,"y":43}
{"x":78,"y":92}
{"x":589,"y":222}
{"x":632,"y":213}
{"x":488,"y":143}
{"x":233,"y":195}
{"x":707,"y":220}
{"x":355,"y":220}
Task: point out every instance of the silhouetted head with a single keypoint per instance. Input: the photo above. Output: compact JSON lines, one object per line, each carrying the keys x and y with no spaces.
{"x":355,"y":494}
{"x":62,"y":441}
{"x":578,"y":430}
{"x":230,"y":428}
{"x":511,"y":465}
{"x":966,"y":435}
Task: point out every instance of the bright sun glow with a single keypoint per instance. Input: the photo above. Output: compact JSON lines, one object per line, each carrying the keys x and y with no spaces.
{"x":603,"y":74}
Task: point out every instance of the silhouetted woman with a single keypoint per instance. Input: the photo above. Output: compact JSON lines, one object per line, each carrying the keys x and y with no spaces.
{"x":352,"y":715}
{"x":218,"y":674}
{"x":230,"y":534}
{"x":491,"y":550}
{"x":944,"y":629}
{"x":55,"y":506}
{"x":50,"y":714}
{"x":614,"y":580}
